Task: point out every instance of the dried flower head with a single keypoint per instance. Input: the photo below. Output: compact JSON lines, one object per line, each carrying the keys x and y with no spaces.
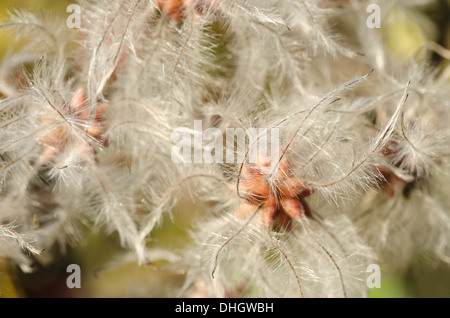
{"x":88,"y":115}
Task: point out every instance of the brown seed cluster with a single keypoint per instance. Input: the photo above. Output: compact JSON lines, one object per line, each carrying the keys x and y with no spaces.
{"x":280,"y":195}
{"x":177,"y":8}
{"x":57,"y":138}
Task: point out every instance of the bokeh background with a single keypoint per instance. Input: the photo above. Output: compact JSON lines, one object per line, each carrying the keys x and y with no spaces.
{"x":424,"y":279}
